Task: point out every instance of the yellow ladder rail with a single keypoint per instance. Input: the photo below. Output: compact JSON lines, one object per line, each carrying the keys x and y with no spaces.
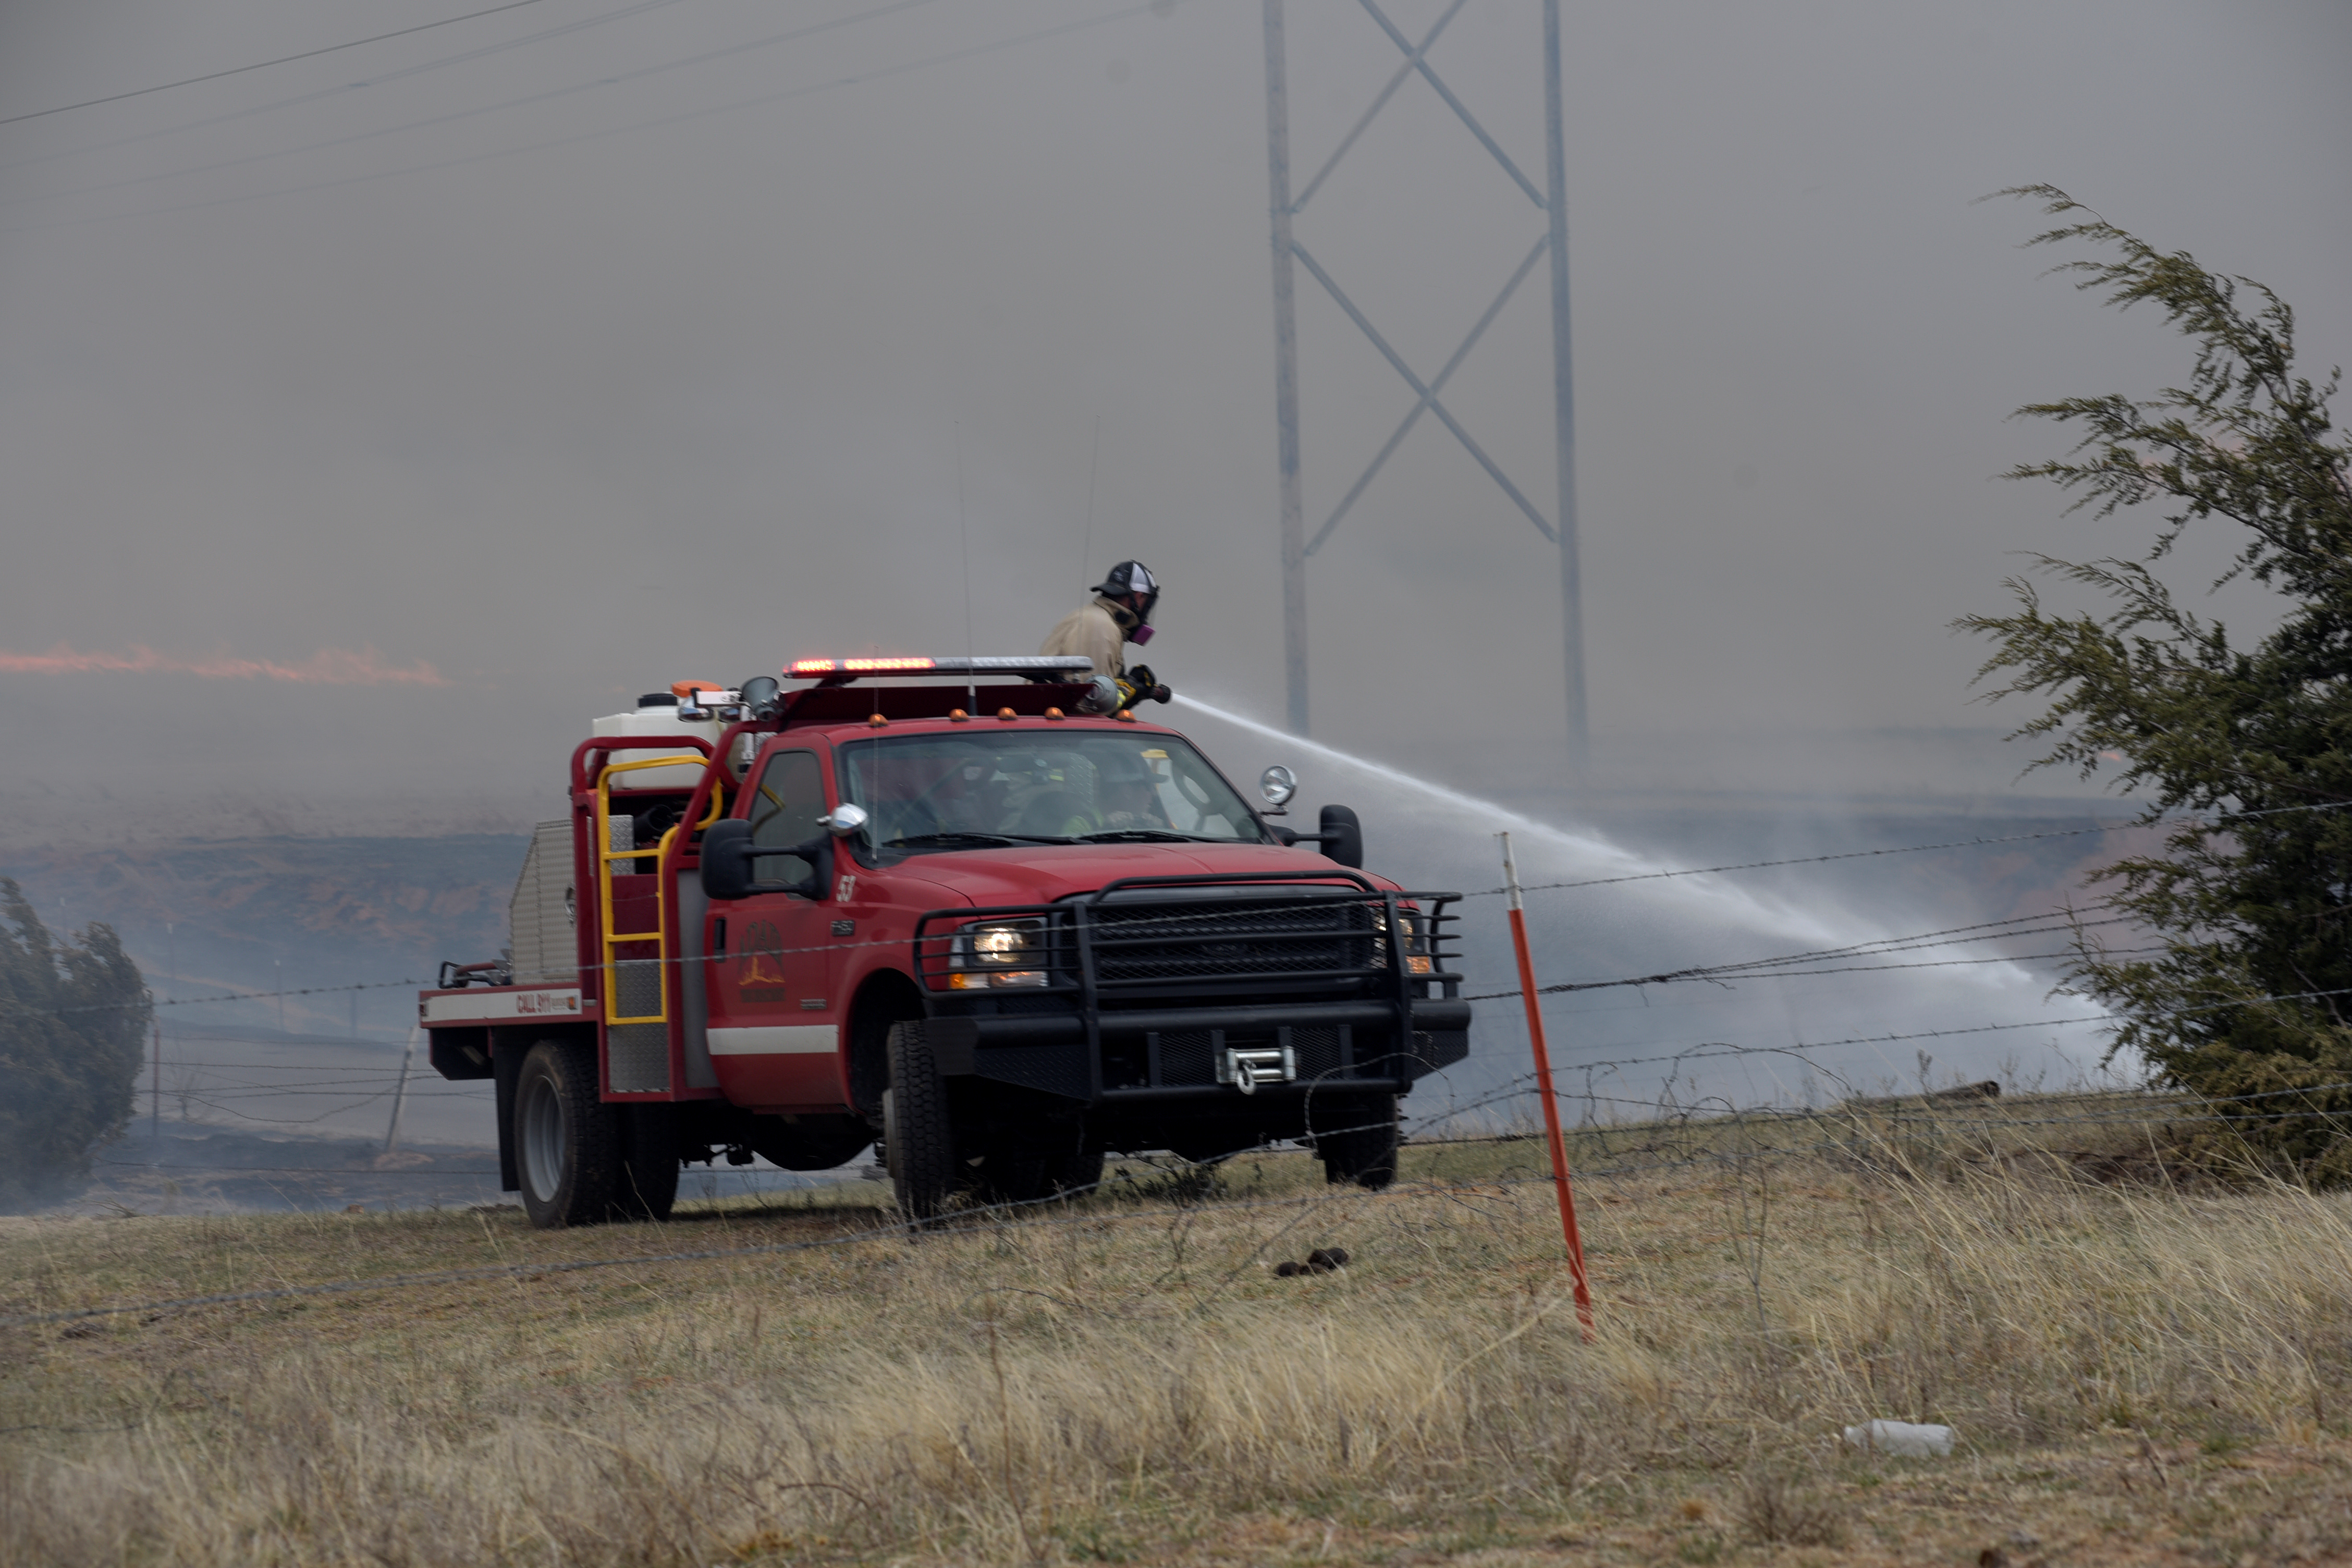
{"x":606,"y":856}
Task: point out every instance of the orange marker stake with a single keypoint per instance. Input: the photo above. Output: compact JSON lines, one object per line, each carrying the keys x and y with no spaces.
{"x":1543,"y":1087}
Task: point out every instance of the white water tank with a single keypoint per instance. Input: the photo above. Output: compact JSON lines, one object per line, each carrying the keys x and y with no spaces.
{"x":656,"y":714}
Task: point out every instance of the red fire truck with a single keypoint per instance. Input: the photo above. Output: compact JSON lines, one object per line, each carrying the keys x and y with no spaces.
{"x":995,"y":930}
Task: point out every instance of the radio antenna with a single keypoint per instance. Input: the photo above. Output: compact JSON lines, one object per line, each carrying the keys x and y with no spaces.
{"x":1094,"y":456}
{"x":963,"y":530}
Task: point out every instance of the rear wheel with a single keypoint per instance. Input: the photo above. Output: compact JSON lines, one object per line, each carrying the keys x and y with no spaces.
{"x":918,"y":1134}
{"x":567,"y":1142}
{"x":1362,"y":1146}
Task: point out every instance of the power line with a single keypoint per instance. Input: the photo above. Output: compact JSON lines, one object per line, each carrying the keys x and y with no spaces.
{"x":265,"y":65}
{"x":951,"y":57}
{"x":787,"y":37}
{"x":300,"y":99}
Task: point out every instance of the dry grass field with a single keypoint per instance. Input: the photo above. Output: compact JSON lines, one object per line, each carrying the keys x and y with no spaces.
{"x":2141,"y":1368}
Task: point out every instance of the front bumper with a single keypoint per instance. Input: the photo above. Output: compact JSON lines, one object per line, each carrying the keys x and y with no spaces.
{"x":1164,"y":990}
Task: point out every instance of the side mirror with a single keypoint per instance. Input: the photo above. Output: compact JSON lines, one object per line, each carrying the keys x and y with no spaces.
{"x":818,"y":853}
{"x":843,"y":821}
{"x":727,"y":860}
{"x":1342,"y":837}
{"x":730,"y":859}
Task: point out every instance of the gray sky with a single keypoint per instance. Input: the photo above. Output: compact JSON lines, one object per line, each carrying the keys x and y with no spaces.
{"x":685,"y":399}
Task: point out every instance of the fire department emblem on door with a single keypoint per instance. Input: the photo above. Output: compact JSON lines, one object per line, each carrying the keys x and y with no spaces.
{"x":762,"y":978}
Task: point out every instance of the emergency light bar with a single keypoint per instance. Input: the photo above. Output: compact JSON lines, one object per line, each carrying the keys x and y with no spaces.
{"x":1075,"y":667}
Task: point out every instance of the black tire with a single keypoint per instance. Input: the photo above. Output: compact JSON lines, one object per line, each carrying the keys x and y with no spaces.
{"x":1363,"y":1147}
{"x":1047,"y":1161}
{"x":918,"y":1132}
{"x":1000,"y":1176}
{"x":567,"y":1143}
{"x":647,"y":1184}
{"x":1080,"y":1173}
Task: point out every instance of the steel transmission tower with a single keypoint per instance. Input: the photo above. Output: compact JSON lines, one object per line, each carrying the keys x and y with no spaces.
{"x":1551,"y":200}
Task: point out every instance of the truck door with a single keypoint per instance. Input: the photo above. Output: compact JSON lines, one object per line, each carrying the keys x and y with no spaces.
{"x":774,"y":1021}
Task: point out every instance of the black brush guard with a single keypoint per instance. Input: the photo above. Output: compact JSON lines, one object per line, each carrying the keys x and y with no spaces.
{"x":1151,"y":982}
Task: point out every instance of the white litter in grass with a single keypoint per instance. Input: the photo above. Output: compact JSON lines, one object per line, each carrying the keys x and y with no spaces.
{"x":1902,"y":1439}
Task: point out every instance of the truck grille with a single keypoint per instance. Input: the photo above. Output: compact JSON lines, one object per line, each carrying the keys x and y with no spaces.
{"x":1208,"y":939}
{"x":1139,"y":943}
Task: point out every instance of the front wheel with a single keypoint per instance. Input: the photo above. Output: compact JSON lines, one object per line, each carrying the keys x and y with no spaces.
{"x":567,"y":1142}
{"x":1362,"y":1147}
{"x":1077,"y":1174}
{"x":918,"y":1132}
{"x":1064,"y":1164}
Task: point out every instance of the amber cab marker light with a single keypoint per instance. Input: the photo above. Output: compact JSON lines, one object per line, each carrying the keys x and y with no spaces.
{"x":1053,"y":713}
{"x":1006,"y":714}
{"x":876,"y":722}
{"x":1124,"y":716}
{"x":958,"y":716}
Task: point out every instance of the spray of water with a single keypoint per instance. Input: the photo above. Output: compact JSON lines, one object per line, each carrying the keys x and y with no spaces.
{"x":1662,"y":924}
{"x":1589,"y":853}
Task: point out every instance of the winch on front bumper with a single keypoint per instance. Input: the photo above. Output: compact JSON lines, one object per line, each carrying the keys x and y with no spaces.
{"x":1190,"y":987}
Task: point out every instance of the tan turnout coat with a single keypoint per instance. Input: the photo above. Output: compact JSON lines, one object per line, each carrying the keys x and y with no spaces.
{"x":1092,"y":630}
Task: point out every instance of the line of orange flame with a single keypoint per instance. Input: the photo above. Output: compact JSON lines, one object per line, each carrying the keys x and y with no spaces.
{"x":328,"y":666}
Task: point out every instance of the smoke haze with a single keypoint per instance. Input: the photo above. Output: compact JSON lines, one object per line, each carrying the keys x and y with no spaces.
{"x":373,"y":421}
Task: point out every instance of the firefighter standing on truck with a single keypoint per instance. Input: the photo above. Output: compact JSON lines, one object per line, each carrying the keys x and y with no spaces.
{"x":1119,"y":614}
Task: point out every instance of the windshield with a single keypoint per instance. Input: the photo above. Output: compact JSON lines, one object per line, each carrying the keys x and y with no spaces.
{"x":933,"y":792}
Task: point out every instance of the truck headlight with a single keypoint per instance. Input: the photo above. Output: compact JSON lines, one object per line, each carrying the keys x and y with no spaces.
{"x":1414,"y":934}
{"x":992,"y":953}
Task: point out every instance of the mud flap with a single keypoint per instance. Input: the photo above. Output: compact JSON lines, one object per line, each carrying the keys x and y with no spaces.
{"x":505,"y":1068}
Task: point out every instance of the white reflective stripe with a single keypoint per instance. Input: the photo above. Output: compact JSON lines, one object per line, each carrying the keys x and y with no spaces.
{"x":498,"y":1006}
{"x":778,"y":1040}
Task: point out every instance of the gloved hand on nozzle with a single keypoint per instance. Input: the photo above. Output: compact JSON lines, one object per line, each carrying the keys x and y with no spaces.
{"x":1140,"y":683}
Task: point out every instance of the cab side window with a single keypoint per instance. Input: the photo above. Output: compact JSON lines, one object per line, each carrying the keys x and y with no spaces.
{"x":785,"y":805}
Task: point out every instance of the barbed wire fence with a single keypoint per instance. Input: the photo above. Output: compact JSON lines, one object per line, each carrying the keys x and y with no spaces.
{"x":1909,"y":1137}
